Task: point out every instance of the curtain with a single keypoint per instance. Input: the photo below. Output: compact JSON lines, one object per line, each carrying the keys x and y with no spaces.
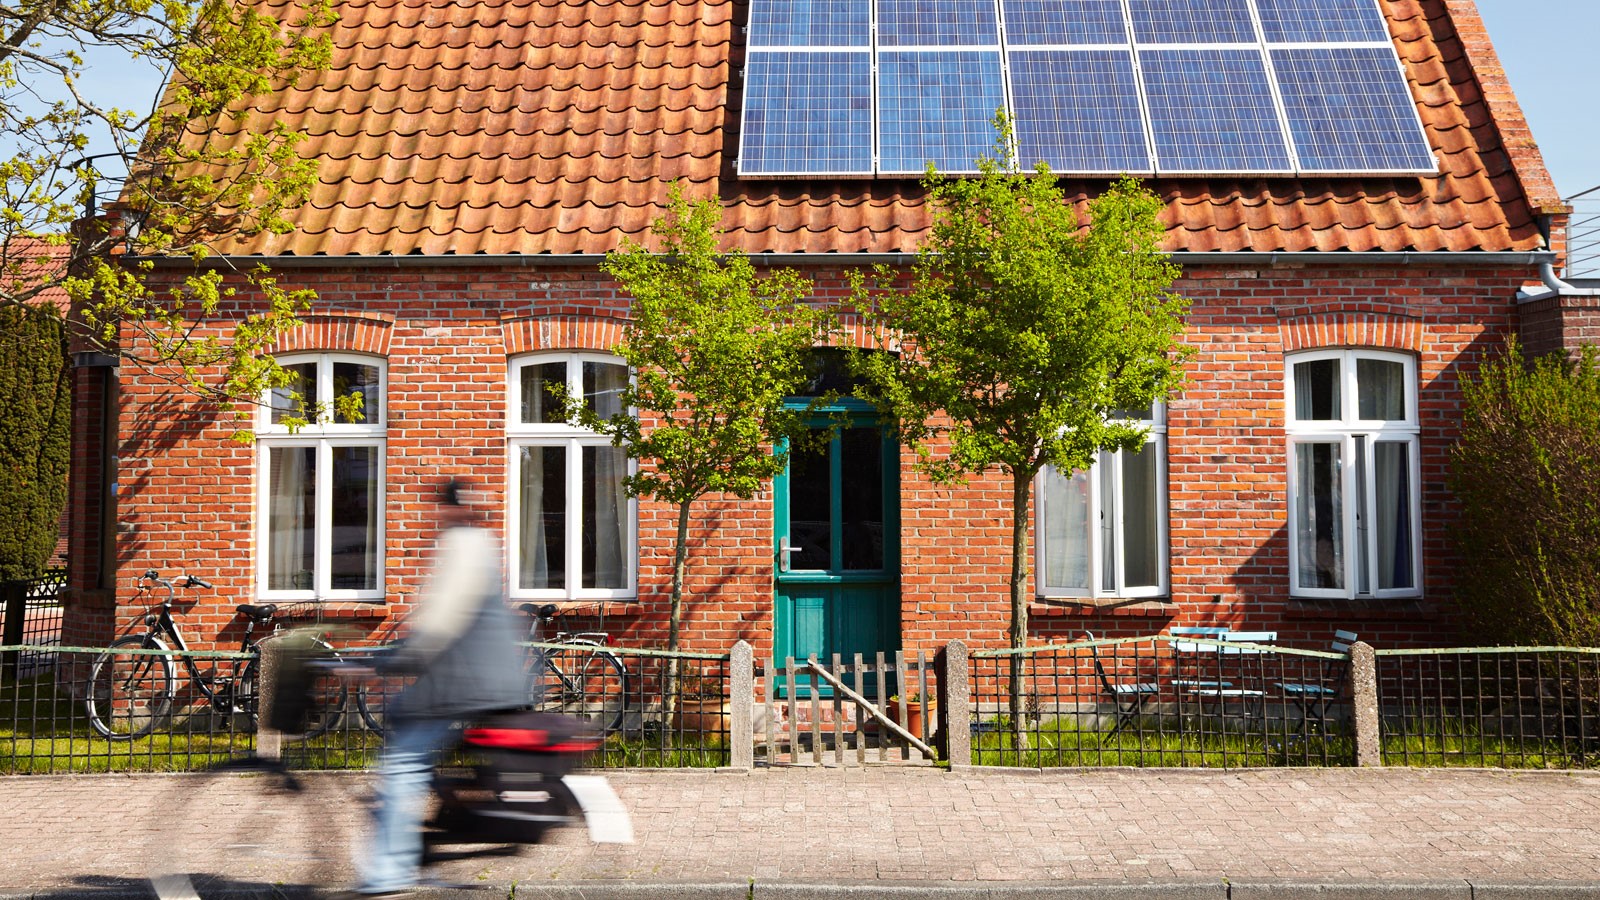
{"x":1319,"y":516}
{"x":604,"y":517}
{"x":1393,"y":493}
{"x":291,"y":516}
{"x":1066,"y":530}
{"x":354,"y":562}
{"x":537,"y":465}
{"x":1316,"y":390}
{"x":1141,"y":553}
{"x":1380,"y":389}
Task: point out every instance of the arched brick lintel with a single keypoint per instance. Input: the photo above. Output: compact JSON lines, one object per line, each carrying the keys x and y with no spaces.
{"x":1351,"y":330}
{"x":526,"y":334}
{"x":355,"y":332}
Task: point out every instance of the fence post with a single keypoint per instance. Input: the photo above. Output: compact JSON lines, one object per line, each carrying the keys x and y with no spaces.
{"x":15,"y":596}
{"x":269,"y":743}
{"x":1364,"y":704}
{"x":742,"y":697}
{"x":955,"y":704}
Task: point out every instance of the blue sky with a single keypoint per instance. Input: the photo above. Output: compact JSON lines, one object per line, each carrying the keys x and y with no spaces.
{"x":1548,"y":47}
{"x":1549,"y":50}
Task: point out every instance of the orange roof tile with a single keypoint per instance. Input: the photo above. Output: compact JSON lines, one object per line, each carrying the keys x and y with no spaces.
{"x":555,"y":126}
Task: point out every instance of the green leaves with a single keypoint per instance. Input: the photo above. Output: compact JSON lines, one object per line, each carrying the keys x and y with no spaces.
{"x":716,"y":349}
{"x":1025,"y":328}
{"x":1523,"y":471}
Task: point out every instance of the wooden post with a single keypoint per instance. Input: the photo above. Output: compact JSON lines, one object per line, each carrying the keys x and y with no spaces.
{"x":1364,"y":704}
{"x":742,"y":696}
{"x":953,"y":668}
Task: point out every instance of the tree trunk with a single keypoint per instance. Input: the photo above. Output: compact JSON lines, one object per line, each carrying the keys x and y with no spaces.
{"x":680,"y":561}
{"x":1021,"y":488}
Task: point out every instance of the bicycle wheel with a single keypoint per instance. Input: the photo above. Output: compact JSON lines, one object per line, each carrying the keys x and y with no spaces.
{"x":129,"y":694}
{"x":585,"y":680}
{"x":329,"y":695}
{"x":251,"y":827}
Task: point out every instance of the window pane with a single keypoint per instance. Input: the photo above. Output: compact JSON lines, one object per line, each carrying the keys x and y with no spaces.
{"x":1066,"y":530}
{"x":1106,"y":468}
{"x":605,"y":517}
{"x":602,"y":387}
{"x":291,"y":518}
{"x":282,"y":401}
{"x":1316,"y":390}
{"x":357,"y":380}
{"x":810,"y":510}
{"x":354,"y":564}
{"x":1319,"y":518}
{"x":542,"y":550}
{"x":1141,"y":551}
{"x":538,"y":405}
{"x":1392,"y":481}
{"x":1381,"y":389}
{"x":861,"y":498}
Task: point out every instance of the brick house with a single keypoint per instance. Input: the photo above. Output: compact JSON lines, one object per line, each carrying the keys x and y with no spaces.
{"x":479,"y":158}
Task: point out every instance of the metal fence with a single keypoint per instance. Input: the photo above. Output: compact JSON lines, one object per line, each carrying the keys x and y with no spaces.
{"x":1510,"y":707}
{"x":1583,"y":236}
{"x":1160,"y":701}
{"x":133,"y":710}
{"x":31,"y":612}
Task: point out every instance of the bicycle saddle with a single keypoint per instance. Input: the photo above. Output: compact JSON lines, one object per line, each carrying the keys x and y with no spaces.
{"x":547,"y":611}
{"x":258,"y":610}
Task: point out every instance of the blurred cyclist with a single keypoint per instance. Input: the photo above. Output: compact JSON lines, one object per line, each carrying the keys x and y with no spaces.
{"x":462,"y":649}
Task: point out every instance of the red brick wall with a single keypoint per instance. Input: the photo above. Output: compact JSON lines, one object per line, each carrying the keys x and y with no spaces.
{"x":1560,"y":323}
{"x":187,"y":491}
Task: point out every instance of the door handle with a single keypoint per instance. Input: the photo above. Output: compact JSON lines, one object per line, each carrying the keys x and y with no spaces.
{"x":784,"y":549}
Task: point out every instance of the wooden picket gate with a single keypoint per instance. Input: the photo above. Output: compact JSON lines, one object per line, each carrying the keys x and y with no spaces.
{"x":840,"y":714}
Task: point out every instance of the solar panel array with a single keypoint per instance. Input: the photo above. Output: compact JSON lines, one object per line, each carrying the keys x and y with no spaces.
{"x":864,"y":87}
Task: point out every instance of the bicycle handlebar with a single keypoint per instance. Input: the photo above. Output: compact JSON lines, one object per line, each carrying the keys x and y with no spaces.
{"x":168,"y":583}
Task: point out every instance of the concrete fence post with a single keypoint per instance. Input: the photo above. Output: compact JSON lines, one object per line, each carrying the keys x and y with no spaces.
{"x":955,"y":704}
{"x":269,"y":743}
{"x":742,"y":699}
{"x":1364,"y":704}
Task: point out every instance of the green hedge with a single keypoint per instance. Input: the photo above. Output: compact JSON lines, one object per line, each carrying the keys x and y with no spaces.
{"x":1526,"y":471}
{"x":35,"y":437}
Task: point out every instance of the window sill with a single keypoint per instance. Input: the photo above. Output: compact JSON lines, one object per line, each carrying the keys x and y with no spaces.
{"x":610,"y":606}
{"x":351,"y":610}
{"x":1047,"y":607}
{"x":1399,"y":608}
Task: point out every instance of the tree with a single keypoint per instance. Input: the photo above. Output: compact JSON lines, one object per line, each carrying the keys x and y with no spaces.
{"x":35,"y":414}
{"x":1523,"y":470}
{"x":191,"y":174}
{"x":1021,"y":334}
{"x":715,"y":351}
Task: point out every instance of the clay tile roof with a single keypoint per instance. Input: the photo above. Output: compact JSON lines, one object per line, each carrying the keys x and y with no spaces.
{"x":555,"y":127}
{"x":26,"y":263}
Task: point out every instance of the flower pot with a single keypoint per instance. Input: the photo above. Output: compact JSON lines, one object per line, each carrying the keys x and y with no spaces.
{"x":913,"y":722}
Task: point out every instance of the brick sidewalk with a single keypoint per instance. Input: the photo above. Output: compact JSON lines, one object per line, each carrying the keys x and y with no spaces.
{"x":897,"y":832}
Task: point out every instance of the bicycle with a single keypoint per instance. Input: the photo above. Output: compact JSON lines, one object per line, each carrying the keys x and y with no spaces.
{"x":132,"y":683}
{"x":575,"y":674}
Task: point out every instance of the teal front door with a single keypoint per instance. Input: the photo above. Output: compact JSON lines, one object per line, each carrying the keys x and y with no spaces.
{"x":837,"y":543}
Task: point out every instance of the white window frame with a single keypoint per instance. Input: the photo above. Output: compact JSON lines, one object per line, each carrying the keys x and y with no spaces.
{"x":1358,"y":489}
{"x":323,"y":434}
{"x":573,"y":438}
{"x":1155,"y":440}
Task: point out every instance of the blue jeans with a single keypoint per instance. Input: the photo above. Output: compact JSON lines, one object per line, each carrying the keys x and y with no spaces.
{"x":394,"y":857}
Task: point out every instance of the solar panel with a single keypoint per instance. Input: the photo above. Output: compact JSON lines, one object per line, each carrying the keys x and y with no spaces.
{"x":1092,"y":86}
{"x":811,"y":23}
{"x":1349,"y":111}
{"x":1192,"y":22}
{"x":807,"y":113}
{"x":937,"y":23}
{"x":1064,"y":22}
{"x":1212,"y":111}
{"x":1078,"y":110}
{"x":938,"y":106}
{"x":1321,"y":21}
